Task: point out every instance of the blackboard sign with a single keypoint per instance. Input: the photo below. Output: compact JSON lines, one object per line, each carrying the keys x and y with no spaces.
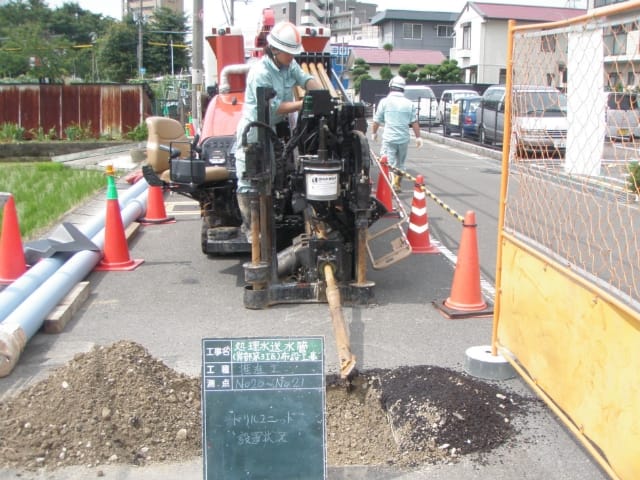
{"x":263,"y":404}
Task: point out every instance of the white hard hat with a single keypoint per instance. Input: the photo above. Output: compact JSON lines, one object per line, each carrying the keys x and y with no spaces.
{"x":285,"y":37}
{"x":398,"y":83}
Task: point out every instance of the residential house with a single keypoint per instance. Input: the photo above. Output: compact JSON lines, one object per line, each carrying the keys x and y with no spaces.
{"x":378,"y":58}
{"x":411,"y":30}
{"x":481,"y":32}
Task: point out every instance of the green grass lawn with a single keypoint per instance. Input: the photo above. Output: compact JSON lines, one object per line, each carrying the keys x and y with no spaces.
{"x":44,"y":191}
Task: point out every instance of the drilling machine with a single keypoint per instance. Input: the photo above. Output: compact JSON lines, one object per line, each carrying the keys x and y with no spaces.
{"x":311,"y":199}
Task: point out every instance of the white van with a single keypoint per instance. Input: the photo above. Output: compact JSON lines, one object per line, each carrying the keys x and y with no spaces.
{"x":540,"y":118}
{"x":425,"y":101}
{"x":622,"y":115}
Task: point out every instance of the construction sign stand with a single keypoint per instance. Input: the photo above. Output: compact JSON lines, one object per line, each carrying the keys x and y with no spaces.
{"x":116,"y":251}
{"x":418,"y":231}
{"x":465,"y":300}
{"x":12,"y":259}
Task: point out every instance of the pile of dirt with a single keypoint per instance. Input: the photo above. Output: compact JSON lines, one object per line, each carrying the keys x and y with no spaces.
{"x":117,"y":404}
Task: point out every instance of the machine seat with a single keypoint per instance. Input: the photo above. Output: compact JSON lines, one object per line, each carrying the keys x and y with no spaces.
{"x":169,"y":132}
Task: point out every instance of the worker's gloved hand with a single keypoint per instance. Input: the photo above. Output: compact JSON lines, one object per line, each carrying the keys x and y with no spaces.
{"x":419,"y":142}
{"x":374,"y":137}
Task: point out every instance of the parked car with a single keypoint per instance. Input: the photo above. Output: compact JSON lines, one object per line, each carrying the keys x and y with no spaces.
{"x":449,"y":97}
{"x":425,"y":101}
{"x":462,"y":117}
{"x":539,"y":118}
{"x":622,"y":115}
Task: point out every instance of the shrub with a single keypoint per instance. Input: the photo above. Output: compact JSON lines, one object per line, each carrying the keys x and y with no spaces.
{"x":633,"y":182}
{"x":40,"y":135}
{"x":138,"y":133}
{"x":78,"y":132}
{"x":11,"y":132}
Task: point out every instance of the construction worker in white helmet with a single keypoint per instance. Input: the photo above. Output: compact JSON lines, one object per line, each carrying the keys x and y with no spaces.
{"x":277,"y":69}
{"x":396,"y":113}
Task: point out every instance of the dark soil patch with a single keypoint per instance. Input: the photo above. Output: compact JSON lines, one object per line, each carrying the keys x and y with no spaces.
{"x":117,"y":404}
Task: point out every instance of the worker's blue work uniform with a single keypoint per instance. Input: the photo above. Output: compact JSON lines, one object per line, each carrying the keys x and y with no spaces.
{"x":265,"y":73}
{"x":396,"y":112}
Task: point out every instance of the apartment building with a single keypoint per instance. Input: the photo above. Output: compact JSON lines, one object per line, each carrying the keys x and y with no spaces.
{"x":148,"y":6}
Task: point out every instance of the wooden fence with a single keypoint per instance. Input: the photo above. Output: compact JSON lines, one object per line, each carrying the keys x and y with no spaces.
{"x":105,"y":110}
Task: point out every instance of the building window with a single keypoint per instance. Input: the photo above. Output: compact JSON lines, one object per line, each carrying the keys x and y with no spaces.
{"x":631,"y":79}
{"x":615,"y":41}
{"x":445,"y":30}
{"x":548,"y":43}
{"x":614,"y":81}
{"x":466,"y":37}
{"x":412,"y":31}
{"x":602,"y":3}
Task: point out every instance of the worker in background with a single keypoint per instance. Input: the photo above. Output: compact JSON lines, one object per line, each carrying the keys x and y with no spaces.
{"x":276,"y":69}
{"x":397,"y":113}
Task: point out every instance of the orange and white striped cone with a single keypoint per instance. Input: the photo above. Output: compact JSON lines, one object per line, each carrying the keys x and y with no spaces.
{"x":12,"y":259}
{"x":418,"y":232}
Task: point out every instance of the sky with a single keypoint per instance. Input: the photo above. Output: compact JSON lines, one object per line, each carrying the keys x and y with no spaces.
{"x":250,"y":9}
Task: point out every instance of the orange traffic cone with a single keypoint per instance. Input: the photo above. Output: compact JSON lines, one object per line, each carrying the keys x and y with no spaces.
{"x":383,"y":190}
{"x":156,"y":213}
{"x":418,"y":232}
{"x":12,"y":260}
{"x":466,"y":299}
{"x":116,"y":251}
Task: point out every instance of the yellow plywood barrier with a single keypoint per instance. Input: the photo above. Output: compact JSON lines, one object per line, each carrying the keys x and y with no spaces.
{"x":580,"y":349}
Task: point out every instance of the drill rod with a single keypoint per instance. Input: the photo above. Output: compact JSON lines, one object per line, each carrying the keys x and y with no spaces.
{"x":347,"y":359}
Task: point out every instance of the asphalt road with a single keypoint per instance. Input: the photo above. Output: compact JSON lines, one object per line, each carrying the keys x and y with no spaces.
{"x":178,"y":296}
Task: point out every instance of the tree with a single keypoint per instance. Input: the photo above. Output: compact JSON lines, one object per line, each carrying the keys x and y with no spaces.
{"x":386,"y":73}
{"x":407,"y":70}
{"x":81,"y":28}
{"x":163,"y":46}
{"x":114,"y":51}
{"x":447,"y":72}
{"x":359,"y":72}
{"x":40,"y":43}
{"x":388,"y":47}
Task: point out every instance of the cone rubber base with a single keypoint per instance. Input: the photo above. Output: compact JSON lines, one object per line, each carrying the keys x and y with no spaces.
{"x":485,"y":310}
{"x":429,"y":249}
{"x":118,"y":266}
{"x":156,"y":221}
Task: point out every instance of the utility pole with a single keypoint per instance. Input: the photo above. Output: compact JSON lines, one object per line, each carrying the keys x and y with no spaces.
{"x":140,"y":41}
{"x":197,"y":69}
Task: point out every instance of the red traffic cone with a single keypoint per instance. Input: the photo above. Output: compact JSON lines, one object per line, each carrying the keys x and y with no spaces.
{"x":466,"y":299}
{"x":156,"y":213}
{"x":116,"y":251}
{"x":383,"y":190}
{"x":418,"y":232}
{"x":12,"y":260}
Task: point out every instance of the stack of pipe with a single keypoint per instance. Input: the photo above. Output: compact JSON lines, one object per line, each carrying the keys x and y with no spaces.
{"x":25,"y":303}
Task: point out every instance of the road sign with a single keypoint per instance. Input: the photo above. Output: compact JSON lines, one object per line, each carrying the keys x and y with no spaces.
{"x":263,"y":402}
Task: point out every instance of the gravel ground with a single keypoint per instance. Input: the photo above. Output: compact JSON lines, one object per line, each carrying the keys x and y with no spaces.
{"x":118,"y":405}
